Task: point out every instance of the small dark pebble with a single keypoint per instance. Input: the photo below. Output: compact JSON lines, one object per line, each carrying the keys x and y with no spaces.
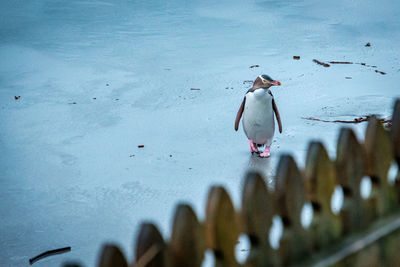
{"x":94,"y":98}
{"x":17,"y":97}
{"x":194,"y":89}
{"x":254,"y":66}
{"x":296,"y":57}
{"x":190,"y":168}
{"x":348,"y":78}
{"x":107,"y":84}
{"x":226,"y":87}
{"x":170,"y":156}
{"x":140,"y":146}
{"x":368,"y":44}
{"x":73,"y":103}
{"x":131,"y":155}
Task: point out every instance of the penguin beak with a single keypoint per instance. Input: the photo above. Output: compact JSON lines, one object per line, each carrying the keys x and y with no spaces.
{"x":276,"y":83}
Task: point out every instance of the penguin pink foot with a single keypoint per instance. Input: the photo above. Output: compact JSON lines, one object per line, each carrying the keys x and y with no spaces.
{"x":266,"y":153}
{"x":253,"y":147}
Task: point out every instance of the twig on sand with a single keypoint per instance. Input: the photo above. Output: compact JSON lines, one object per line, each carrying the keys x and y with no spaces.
{"x":49,"y":253}
{"x":356,"y":120}
{"x":381,"y":72}
{"x":321,"y":63}
{"x":340,"y":62}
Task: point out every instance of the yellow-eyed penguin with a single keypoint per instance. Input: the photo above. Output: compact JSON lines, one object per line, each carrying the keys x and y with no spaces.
{"x":258,"y":108}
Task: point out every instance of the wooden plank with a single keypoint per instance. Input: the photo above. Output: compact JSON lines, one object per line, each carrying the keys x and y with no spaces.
{"x":395,"y":130}
{"x":111,"y":256}
{"x":187,"y":243}
{"x":150,"y":247}
{"x":320,"y":180}
{"x":257,"y":212}
{"x":290,"y":199}
{"x":350,"y":171}
{"x":221,"y":227}
{"x":379,"y":156}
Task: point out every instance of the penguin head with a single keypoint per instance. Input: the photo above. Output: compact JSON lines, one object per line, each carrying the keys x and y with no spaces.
{"x":264,"y":81}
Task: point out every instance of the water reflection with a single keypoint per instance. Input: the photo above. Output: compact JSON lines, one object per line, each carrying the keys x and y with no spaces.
{"x":265,"y":167}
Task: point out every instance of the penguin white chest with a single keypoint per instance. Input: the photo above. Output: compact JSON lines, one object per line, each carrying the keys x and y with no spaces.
{"x":258,"y":117}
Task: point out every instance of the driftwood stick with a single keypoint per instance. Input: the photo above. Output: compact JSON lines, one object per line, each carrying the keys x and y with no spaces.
{"x":49,"y":253}
{"x":326,"y":65}
{"x":340,"y":62}
{"x":356,"y":120}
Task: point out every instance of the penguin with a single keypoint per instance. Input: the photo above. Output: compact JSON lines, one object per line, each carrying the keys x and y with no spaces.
{"x":258,"y":108}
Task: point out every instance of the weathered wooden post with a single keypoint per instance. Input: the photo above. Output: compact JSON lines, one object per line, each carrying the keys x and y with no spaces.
{"x":395,"y":134}
{"x":290,"y":199}
{"x":395,"y":131}
{"x":187,"y":244}
{"x":392,"y":246}
{"x":221,"y":227}
{"x":350,"y":171}
{"x":111,"y":256}
{"x":320,"y":180}
{"x":379,"y":156}
{"x":257,"y":212}
{"x":150,"y":247}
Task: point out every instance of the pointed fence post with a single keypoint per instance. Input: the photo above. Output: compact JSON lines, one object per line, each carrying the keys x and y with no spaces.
{"x":395,"y":134}
{"x":111,"y":256}
{"x":320,"y":180}
{"x":221,"y":227}
{"x":257,"y":212}
{"x":379,"y":156}
{"x":350,"y":171}
{"x":150,"y":247}
{"x":290,"y":199}
{"x":187,"y":243}
{"x":395,"y":131}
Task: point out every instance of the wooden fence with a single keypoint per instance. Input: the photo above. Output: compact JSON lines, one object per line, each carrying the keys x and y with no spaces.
{"x":366,"y":231}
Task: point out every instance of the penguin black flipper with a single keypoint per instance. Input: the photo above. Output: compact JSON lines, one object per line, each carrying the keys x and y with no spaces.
{"x":278,"y":117}
{"x":239,"y":114}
